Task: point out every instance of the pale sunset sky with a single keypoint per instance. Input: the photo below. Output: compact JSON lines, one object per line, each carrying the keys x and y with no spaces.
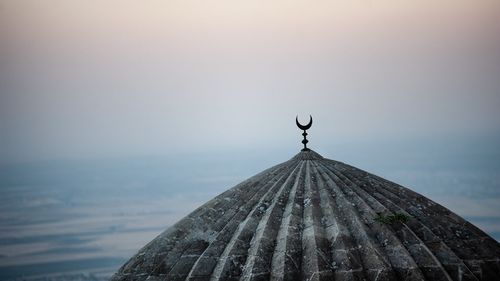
{"x":117,"y":78}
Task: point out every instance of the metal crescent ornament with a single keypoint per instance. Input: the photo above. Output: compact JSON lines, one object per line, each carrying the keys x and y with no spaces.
{"x":304,"y":127}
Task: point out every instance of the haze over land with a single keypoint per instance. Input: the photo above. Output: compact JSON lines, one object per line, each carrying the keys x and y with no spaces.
{"x":119,"y":117}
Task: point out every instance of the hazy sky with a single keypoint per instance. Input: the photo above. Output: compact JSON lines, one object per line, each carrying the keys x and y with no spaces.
{"x":118,"y":78}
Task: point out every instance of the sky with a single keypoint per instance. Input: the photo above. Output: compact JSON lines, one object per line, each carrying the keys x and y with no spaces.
{"x":86,"y":79}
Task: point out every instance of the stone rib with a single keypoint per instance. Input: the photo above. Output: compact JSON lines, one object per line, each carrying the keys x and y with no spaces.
{"x":375,"y":263}
{"x":449,"y":260}
{"x":174,"y":264}
{"x":172,"y":246}
{"x":345,"y":258}
{"x":447,"y":257}
{"x":236,"y":248}
{"x":317,"y":264}
{"x":203,"y":265}
{"x":262,"y":246}
{"x":431,"y":266}
{"x":420,"y":253}
{"x":309,"y":258}
{"x":433,"y":213}
{"x":286,"y":258}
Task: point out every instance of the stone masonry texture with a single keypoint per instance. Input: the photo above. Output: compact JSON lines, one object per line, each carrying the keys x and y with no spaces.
{"x":312,"y":218}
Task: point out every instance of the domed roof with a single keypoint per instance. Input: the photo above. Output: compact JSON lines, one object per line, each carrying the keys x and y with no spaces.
{"x":312,"y":218}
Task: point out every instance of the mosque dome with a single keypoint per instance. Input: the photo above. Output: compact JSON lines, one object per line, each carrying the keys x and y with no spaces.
{"x":312,"y":218}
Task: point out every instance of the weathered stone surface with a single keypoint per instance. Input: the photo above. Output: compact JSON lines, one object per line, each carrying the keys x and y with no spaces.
{"x":312,"y":218}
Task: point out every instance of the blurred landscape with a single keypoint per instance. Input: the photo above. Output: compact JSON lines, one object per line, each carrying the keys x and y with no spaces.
{"x":82,"y":219}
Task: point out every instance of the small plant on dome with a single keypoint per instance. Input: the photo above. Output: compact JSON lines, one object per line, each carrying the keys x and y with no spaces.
{"x":390,"y":219}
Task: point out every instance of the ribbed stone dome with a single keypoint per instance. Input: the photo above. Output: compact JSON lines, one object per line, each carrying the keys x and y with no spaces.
{"x":312,"y":218}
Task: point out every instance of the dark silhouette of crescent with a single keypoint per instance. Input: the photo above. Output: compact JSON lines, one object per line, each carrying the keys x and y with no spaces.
{"x":304,"y":127}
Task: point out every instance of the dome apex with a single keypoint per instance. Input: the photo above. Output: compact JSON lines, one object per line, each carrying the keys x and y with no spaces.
{"x":307,"y":155}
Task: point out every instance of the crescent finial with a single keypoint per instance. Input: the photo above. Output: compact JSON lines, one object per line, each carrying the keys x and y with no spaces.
{"x":304,"y":128}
